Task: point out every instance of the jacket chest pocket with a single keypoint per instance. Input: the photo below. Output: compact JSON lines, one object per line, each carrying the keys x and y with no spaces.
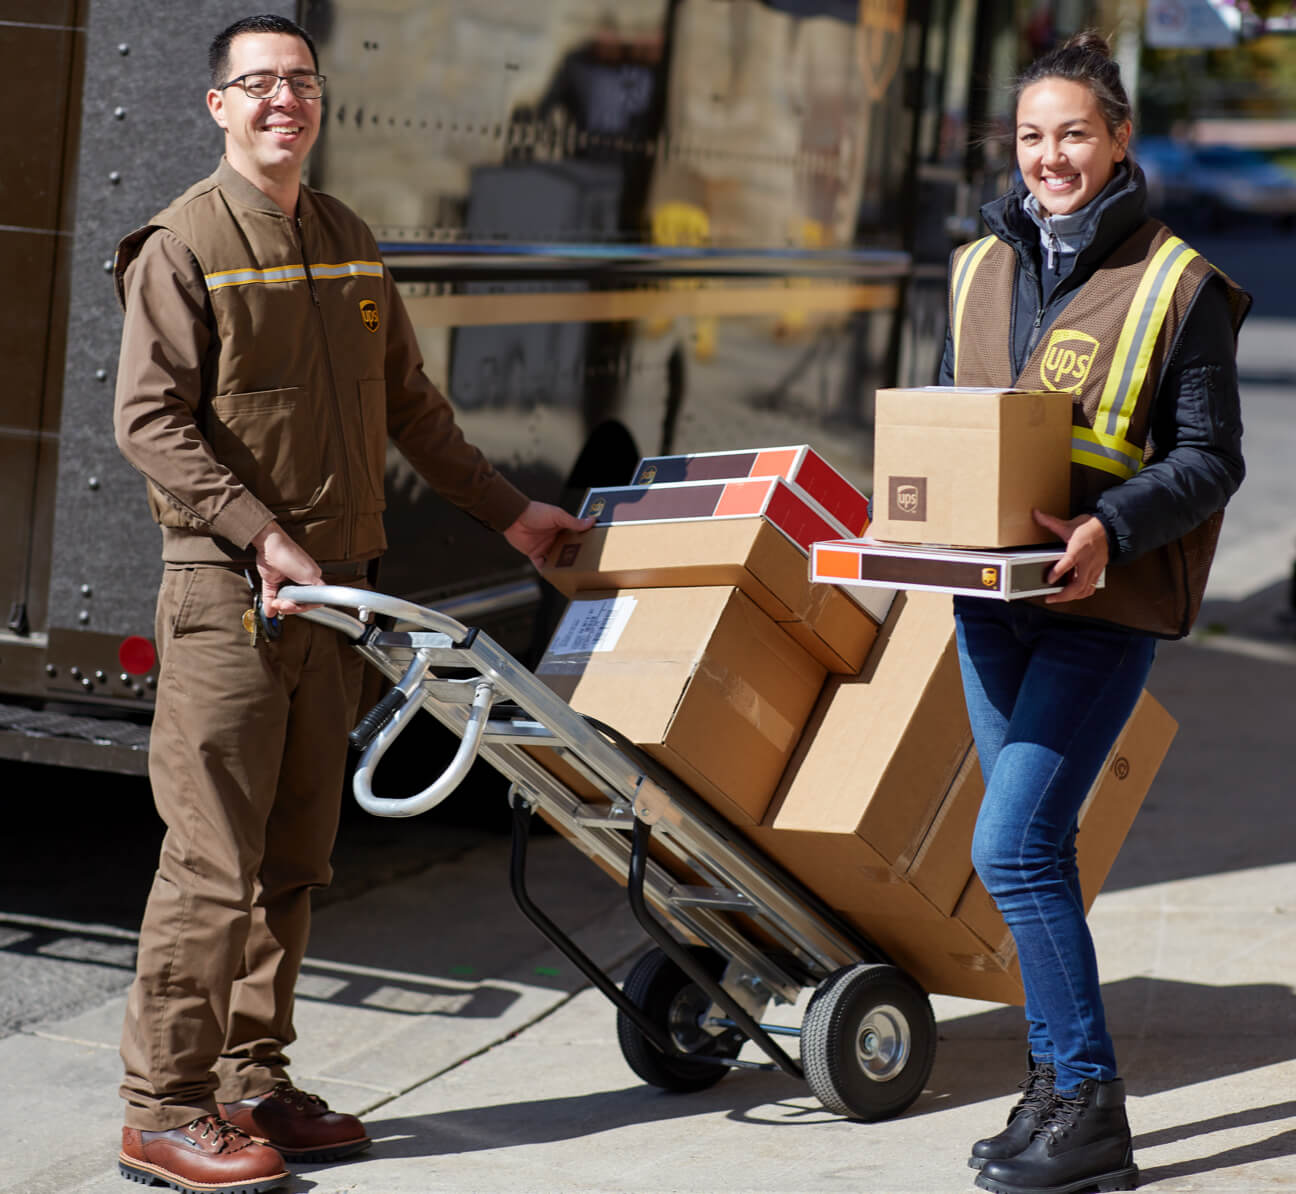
{"x":273,"y":442}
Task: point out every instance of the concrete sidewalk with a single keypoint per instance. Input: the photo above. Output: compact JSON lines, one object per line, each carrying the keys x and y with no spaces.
{"x":483,"y":1063}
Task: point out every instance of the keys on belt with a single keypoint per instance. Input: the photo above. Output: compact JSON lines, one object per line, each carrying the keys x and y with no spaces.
{"x":255,"y":621}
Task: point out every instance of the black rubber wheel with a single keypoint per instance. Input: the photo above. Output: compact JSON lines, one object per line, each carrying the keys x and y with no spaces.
{"x":868,"y":1041}
{"x":676,"y":1003}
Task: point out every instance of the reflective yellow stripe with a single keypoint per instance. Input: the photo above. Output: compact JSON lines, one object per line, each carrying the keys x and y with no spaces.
{"x":962,"y":284}
{"x":1118,"y":457}
{"x":1139,"y":333}
{"x":293,"y":273}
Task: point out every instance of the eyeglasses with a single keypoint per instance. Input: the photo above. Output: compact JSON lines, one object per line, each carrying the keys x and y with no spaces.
{"x":264,"y":86}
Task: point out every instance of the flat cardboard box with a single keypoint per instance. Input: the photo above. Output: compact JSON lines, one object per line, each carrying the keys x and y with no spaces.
{"x":796,"y":514}
{"x":1105,"y":817}
{"x":882,"y":748}
{"x":799,"y":464}
{"x":781,"y":504}
{"x":1000,"y":574}
{"x":965,"y":466}
{"x":699,"y":677}
{"x":749,"y":553}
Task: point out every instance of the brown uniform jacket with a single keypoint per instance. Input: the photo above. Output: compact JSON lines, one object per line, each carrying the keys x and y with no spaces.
{"x":265,"y":361}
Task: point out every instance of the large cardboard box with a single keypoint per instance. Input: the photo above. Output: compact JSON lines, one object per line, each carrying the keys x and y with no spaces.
{"x":882,"y":748}
{"x":751,"y":554}
{"x":965,"y":466}
{"x":799,"y":464}
{"x":699,"y":677}
{"x":1105,"y":818}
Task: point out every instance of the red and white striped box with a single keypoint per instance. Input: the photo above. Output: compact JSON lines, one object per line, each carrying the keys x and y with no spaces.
{"x":785,"y":505}
{"x":799,"y":464}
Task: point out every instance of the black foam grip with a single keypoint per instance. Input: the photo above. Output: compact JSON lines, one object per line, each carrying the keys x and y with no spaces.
{"x":376,"y":718}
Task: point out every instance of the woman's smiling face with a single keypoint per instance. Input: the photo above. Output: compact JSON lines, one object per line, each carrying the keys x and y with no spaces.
{"x":1065,"y":151}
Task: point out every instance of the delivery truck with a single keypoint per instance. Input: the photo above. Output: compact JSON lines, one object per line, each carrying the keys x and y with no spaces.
{"x":621,"y":229}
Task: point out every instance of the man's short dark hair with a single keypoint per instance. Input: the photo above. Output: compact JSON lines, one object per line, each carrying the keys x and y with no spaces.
{"x":219,"y":53}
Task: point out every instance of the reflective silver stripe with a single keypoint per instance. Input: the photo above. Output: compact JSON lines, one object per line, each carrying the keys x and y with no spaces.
{"x":243,"y":277}
{"x":1153,"y":304}
{"x":1121,"y":463}
{"x":293,"y":273}
{"x":349,"y":269}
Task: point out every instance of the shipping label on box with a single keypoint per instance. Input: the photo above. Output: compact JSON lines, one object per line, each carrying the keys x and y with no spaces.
{"x":1007,"y":575}
{"x":748,"y":553}
{"x":964,"y":466}
{"x":699,"y":677}
{"x":799,"y":464}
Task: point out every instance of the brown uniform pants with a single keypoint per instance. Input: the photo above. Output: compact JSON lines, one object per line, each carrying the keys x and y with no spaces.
{"x":247,"y":759}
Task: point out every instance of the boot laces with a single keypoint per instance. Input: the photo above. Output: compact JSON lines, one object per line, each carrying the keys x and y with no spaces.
{"x":1037,"y":1092}
{"x":223,"y":1133}
{"x":1061,"y":1116}
{"x":288,"y":1093}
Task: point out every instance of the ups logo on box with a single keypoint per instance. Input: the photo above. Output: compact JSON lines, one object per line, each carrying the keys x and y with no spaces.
{"x":1067,"y":360}
{"x":907,"y":499}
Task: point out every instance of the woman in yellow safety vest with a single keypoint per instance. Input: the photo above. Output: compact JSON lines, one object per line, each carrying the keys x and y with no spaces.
{"x":1077,"y":290}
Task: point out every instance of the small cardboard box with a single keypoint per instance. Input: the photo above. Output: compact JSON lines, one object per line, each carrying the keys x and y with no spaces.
{"x":883,"y":748}
{"x":1006,"y":575}
{"x":699,"y":677}
{"x":1105,"y":817}
{"x":966,"y":466}
{"x":800,"y":464}
{"x":748,"y":553}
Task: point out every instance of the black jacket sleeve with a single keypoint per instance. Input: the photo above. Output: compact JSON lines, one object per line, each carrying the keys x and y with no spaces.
{"x":1196,"y":431}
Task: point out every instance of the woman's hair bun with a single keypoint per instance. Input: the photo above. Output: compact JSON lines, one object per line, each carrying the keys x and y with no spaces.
{"x":1089,"y":41}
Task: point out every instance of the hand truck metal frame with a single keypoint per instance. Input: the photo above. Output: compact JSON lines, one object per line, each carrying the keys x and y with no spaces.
{"x":739,"y":934}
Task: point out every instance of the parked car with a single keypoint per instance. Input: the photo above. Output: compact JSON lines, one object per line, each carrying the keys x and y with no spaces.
{"x":1168,"y":165}
{"x":1229,"y":181}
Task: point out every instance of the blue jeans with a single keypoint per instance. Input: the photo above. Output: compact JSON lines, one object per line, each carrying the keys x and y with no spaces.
{"x":1047,"y":697}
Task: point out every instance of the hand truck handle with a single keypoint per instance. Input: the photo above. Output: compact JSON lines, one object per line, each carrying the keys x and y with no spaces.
{"x":451,"y":778}
{"x":376,"y":718}
{"x":378,"y":603}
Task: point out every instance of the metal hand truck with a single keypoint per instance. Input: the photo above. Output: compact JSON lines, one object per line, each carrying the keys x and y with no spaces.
{"x":734,"y":932}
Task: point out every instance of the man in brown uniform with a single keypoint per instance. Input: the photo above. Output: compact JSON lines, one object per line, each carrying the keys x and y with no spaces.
{"x":266,"y":357}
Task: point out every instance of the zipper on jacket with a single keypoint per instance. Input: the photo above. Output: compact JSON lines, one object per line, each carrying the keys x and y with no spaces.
{"x":348,"y":514}
{"x":310,"y":278}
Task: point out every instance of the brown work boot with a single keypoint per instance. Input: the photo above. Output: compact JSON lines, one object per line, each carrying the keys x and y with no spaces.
{"x":208,"y":1156}
{"x":298,"y":1124}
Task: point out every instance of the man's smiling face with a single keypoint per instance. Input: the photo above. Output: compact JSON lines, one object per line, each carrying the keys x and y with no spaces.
{"x":267,"y":140}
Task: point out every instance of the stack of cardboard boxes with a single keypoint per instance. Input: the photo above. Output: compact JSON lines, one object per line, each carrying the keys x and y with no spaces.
{"x":825,"y":721}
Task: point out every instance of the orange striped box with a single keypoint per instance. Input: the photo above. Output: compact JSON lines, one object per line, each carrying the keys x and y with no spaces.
{"x":798,"y":464}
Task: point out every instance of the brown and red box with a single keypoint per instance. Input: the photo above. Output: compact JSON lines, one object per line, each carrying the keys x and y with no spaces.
{"x":781,"y":503}
{"x":800,"y":464}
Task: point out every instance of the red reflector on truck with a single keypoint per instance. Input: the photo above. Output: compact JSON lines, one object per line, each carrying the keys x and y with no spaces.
{"x":136,"y":655}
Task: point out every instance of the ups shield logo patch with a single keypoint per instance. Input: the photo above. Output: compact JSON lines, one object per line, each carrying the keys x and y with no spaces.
{"x":369,"y":314}
{"x":1067,"y":360}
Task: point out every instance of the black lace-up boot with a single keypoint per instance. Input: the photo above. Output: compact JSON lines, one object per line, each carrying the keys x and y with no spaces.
{"x":1083,"y":1144}
{"x":1023,"y":1119}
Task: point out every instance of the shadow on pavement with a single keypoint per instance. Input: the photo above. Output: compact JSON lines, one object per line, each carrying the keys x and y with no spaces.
{"x":1222,"y":799}
{"x":543,"y":1121}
